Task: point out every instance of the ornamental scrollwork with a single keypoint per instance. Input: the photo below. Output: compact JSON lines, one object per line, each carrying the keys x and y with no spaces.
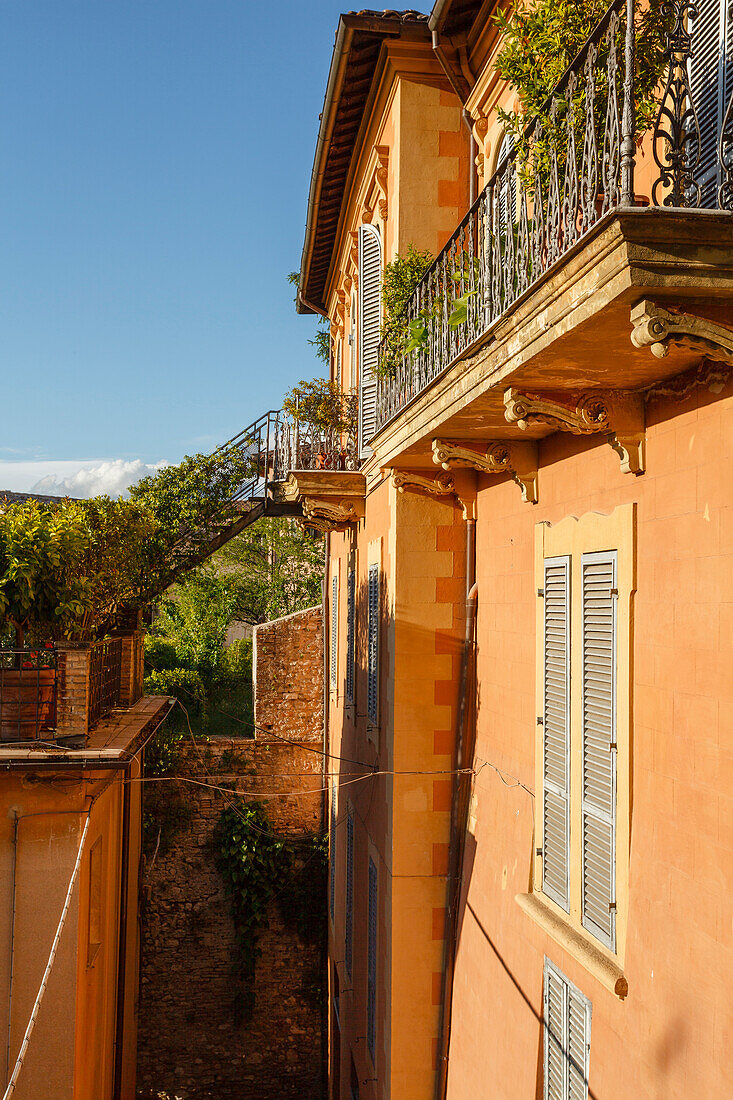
{"x":519,"y":460}
{"x":618,"y":414}
{"x":659,"y":329}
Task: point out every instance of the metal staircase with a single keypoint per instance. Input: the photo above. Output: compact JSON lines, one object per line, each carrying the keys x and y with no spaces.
{"x":260,"y":444}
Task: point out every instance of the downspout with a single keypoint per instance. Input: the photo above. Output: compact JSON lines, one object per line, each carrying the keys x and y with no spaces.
{"x":461,"y":87}
{"x":326,"y":758}
{"x":12,"y":942}
{"x":122,"y":940}
{"x":465,"y":741}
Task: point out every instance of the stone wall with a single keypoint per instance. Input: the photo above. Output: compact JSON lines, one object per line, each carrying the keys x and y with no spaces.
{"x":190,"y":1045}
{"x":288,"y":675}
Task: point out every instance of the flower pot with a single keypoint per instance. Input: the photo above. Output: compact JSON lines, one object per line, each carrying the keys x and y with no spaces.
{"x":27,"y":703}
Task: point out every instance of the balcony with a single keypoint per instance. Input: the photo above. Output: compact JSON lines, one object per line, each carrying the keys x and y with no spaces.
{"x":316,"y":464}
{"x":602,"y":203}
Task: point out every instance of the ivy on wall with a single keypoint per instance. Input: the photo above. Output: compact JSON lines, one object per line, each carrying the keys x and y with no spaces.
{"x":258,"y":867}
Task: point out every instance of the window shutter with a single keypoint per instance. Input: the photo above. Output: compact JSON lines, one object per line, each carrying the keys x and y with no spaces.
{"x":506,"y":197}
{"x":332,"y":850}
{"x":556,"y":731}
{"x":370,"y":321}
{"x":334,"y":629}
{"x":372,"y":960}
{"x":350,"y":633}
{"x":373,"y":645}
{"x":567,"y":1016}
{"x":349,"y":922}
{"x":711,"y":82}
{"x":598,"y":815}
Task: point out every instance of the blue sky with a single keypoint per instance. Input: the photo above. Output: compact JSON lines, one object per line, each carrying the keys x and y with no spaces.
{"x":155,"y":157}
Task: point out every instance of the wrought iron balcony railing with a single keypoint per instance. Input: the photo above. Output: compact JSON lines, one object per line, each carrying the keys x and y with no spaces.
{"x":313,"y":444}
{"x":574,"y":164}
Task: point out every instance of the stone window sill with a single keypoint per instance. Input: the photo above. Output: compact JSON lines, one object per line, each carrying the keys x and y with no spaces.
{"x":607,"y":972}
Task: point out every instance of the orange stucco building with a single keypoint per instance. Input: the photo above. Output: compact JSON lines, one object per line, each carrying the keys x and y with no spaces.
{"x":70,"y":850}
{"x":529,"y":577}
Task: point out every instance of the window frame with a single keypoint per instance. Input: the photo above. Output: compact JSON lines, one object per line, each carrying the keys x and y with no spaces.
{"x":575,"y":537}
{"x":570,"y":992}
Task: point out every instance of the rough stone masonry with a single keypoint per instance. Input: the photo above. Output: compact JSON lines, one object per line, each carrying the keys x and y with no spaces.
{"x":190,"y":1046}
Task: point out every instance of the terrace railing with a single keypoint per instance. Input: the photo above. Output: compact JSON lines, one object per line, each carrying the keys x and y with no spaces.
{"x":105,"y":678}
{"x":574,"y":164}
{"x":310,"y":444}
{"x":28,"y":681}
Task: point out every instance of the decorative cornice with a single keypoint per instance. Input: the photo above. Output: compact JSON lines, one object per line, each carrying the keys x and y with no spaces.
{"x":519,"y":460}
{"x":659,"y":329}
{"x":405,"y":480}
{"x":619,"y":414}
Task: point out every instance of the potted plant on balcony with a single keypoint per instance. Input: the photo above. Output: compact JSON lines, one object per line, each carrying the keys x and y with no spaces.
{"x":324,"y":420}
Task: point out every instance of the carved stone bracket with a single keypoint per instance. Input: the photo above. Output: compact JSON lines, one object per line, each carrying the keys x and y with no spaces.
{"x":658,"y":329}
{"x":438,"y":486}
{"x":327,"y":517}
{"x":381,"y":176}
{"x":618,"y":414}
{"x":519,"y":460}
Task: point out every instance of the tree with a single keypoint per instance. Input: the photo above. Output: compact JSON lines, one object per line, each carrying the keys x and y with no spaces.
{"x":277,"y":568}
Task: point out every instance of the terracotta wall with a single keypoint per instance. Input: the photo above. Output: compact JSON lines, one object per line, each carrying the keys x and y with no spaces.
{"x":671,"y":1036}
{"x":401,"y":817}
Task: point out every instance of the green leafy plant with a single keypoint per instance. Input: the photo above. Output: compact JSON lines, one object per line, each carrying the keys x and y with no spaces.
{"x":258,"y":867}
{"x":401,"y":337}
{"x":252,"y":862}
{"x":540,"y":39}
{"x":42,"y":589}
{"x":319,"y":403}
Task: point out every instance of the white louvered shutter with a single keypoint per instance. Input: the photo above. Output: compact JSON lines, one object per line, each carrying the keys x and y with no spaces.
{"x":332,"y":850}
{"x":567,"y":1017}
{"x":506,"y":196}
{"x":350,"y":633}
{"x":349,"y":909}
{"x":556,"y":731}
{"x":372,"y":960}
{"x":711,"y":82}
{"x":598,"y":816}
{"x":334,"y":630}
{"x":370,"y":322}
{"x":373,"y":644}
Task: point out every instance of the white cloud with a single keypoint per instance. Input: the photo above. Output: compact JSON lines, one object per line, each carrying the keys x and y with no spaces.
{"x":76,"y":478}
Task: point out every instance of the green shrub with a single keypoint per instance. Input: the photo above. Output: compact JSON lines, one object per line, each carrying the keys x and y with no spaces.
{"x":183,"y":681}
{"x":160,"y":653}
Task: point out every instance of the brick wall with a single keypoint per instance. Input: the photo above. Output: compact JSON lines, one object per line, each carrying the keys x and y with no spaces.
{"x":288,"y":675}
{"x":190,"y":1046}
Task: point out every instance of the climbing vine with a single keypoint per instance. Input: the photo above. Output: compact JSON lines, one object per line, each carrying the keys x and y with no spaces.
{"x":257,"y":867}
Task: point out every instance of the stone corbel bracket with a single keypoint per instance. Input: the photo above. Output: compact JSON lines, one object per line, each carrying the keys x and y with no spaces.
{"x":404,"y":481}
{"x":519,"y":460}
{"x":327,"y":517}
{"x":617,"y":414}
{"x":659,"y":329}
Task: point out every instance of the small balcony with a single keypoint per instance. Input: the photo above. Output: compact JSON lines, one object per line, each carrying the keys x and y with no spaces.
{"x":316,"y":463}
{"x":599,"y":156}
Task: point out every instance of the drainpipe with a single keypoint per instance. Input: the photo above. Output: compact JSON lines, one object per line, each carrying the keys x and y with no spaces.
{"x":465,"y":741}
{"x":461,"y":87}
{"x":324,"y":818}
{"x":12,"y":942}
{"x":122,"y":940}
